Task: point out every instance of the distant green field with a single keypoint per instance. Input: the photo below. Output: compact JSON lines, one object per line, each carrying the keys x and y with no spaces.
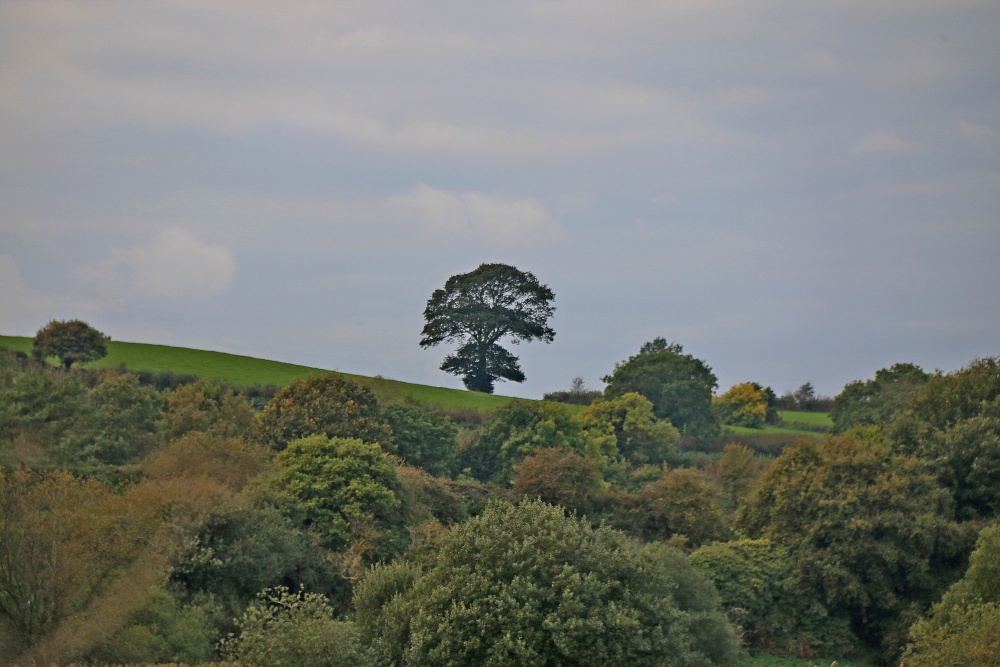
{"x":245,"y":371}
{"x":813,"y":418}
{"x":794,"y":424}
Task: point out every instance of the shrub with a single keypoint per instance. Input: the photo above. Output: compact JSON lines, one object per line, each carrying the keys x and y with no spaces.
{"x":424,"y":439}
{"x":525,"y":585}
{"x":284,"y":628}
{"x":326,"y":405}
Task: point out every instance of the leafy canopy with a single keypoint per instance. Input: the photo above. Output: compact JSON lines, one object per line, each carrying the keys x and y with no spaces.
{"x":479,"y":309}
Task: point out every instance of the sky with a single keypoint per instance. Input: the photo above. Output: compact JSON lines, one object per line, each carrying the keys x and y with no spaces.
{"x":795,"y":192}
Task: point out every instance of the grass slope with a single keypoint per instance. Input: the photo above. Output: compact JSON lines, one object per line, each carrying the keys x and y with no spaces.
{"x":240,"y":370}
{"x":794,"y":423}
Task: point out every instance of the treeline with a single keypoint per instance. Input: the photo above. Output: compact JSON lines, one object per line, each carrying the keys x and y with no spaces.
{"x":146,"y":521}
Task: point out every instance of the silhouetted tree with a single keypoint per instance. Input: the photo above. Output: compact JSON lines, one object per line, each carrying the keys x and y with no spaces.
{"x":478,"y":310}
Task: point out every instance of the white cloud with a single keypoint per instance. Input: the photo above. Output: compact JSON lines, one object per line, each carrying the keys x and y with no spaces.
{"x":476,"y":215}
{"x":173,"y":264}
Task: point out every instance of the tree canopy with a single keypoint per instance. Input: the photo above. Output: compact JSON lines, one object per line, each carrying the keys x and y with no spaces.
{"x":72,"y":341}
{"x":322,"y":405}
{"x":678,"y":385}
{"x":478,"y":310}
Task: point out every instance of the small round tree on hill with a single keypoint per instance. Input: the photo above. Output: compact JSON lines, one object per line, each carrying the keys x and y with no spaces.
{"x":478,"y":310}
{"x":72,"y":341}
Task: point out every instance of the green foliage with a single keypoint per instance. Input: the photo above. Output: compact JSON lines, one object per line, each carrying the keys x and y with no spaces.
{"x":71,"y":341}
{"x":876,"y":401}
{"x":122,"y":425}
{"x":556,"y":591}
{"x":678,"y":385}
{"x":165,"y":631}
{"x":869,"y":531}
{"x":478,"y":310}
{"x":964,"y":627}
{"x":953,"y":422}
{"x":560,"y":477}
{"x":322,"y":405}
{"x":38,"y":408}
{"x":300,"y":629}
{"x":239,"y":550}
{"x":210,"y":409}
{"x":423,"y":438}
{"x":517,"y":430}
{"x":331,"y":484}
{"x":737,"y":471}
{"x":743,"y":405}
{"x":681,"y":504}
{"x":627,"y":425}
{"x":754,"y":579}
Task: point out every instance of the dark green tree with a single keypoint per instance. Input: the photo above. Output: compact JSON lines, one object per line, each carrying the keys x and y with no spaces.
{"x":876,"y":401}
{"x":517,"y":430}
{"x":678,"y":385}
{"x":480,"y":309}
{"x":953,"y":423}
{"x":72,"y":341}
{"x":755,"y":579}
{"x":964,"y":627}
{"x":423,"y":438}
{"x":870,"y":531}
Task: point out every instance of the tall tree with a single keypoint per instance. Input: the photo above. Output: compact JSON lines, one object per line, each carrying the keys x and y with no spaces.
{"x":478,"y":310}
{"x":71,"y":341}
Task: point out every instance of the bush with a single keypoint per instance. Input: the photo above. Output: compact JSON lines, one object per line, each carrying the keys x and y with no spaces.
{"x":525,"y":585}
{"x":964,"y":627}
{"x":560,"y":477}
{"x":682,"y":503}
{"x":336,"y":484}
{"x":322,"y":405}
{"x":210,"y":409}
{"x":755,"y":580}
{"x":516,"y":430}
{"x":284,"y":628}
{"x":630,"y":429}
{"x":424,"y":439}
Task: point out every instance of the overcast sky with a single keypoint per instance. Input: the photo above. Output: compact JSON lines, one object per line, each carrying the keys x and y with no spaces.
{"x":793,"y":191}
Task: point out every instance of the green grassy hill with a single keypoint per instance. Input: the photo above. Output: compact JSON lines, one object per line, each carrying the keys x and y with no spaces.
{"x":246,"y":371}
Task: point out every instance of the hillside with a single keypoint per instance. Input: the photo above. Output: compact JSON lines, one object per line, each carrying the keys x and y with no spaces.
{"x":246,"y":371}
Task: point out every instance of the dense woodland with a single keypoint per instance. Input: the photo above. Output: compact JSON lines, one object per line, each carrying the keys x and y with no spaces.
{"x":150,"y":518}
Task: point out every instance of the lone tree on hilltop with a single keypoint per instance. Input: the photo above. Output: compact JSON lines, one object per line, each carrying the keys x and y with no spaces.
{"x":71,"y":341}
{"x":478,"y":310}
